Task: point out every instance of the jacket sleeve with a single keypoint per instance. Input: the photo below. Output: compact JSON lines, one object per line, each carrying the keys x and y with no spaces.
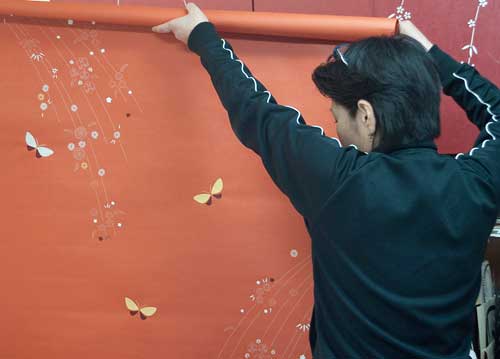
{"x":480,"y":99}
{"x":303,"y":162}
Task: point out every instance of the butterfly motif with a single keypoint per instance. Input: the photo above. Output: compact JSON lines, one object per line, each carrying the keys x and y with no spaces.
{"x":41,"y":150}
{"x":216,"y":191}
{"x":134,"y":308}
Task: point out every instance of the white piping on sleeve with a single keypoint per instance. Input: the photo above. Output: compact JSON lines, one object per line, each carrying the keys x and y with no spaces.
{"x":484,"y":143}
{"x":300,"y":123}
{"x":488,"y":108}
{"x":489,"y":131}
{"x":299,"y":115}
{"x":242,"y":65}
{"x":342,"y":57}
{"x":269,"y":98}
{"x":356,"y":148}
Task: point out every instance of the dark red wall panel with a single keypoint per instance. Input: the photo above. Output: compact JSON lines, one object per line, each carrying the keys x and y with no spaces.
{"x":359,"y":7}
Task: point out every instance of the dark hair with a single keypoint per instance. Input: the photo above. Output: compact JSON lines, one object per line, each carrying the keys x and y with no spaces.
{"x":397,"y":76}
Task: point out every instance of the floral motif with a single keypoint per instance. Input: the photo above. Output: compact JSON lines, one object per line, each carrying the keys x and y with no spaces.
{"x":30,"y":45}
{"x":101,"y":232}
{"x":82,"y":74}
{"x":304,"y":327}
{"x":401,"y":14}
{"x":110,"y":221}
{"x":112,"y":217}
{"x":472,"y":23}
{"x":260,"y":294}
{"x":80,"y":132}
{"x":79,"y":154}
{"x":87,"y":36}
{"x":79,"y":144}
{"x":119,"y":83}
{"x":258,"y":350}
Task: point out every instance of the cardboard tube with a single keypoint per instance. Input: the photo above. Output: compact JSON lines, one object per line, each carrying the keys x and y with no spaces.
{"x":302,"y":26}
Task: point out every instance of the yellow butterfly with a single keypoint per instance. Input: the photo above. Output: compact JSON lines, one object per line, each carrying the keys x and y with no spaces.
{"x":216,"y":191}
{"x":134,"y":308}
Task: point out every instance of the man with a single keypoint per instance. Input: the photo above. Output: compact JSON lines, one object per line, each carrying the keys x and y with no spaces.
{"x":398,"y":231}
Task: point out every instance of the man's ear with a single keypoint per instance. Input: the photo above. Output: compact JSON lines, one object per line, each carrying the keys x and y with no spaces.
{"x":367,"y":116}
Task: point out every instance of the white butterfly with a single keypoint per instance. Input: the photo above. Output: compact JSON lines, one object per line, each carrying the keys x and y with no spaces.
{"x":32,"y":144}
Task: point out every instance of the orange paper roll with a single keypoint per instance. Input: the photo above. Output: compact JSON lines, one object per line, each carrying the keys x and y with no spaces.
{"x":302,"y":26}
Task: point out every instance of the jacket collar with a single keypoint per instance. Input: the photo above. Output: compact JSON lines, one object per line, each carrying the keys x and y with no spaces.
{"x":430,"y":144}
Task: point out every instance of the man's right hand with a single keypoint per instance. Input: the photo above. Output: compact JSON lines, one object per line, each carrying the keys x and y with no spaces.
{"x":182,"y":27}
{"x":407,"y":28}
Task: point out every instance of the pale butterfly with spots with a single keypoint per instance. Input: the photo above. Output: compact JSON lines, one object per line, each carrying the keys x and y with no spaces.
{"x":41,"y":150}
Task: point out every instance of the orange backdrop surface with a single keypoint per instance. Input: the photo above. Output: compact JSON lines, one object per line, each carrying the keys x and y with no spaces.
{"x":137,"y":130}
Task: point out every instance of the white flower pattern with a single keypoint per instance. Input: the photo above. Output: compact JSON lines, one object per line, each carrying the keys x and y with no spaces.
{"x":472,"y":23}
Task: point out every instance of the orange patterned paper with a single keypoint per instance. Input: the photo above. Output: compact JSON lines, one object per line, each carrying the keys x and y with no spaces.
{"x":108,"y":135}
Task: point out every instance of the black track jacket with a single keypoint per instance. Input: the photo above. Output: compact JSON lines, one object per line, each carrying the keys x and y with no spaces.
{"x":397,"y":238}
